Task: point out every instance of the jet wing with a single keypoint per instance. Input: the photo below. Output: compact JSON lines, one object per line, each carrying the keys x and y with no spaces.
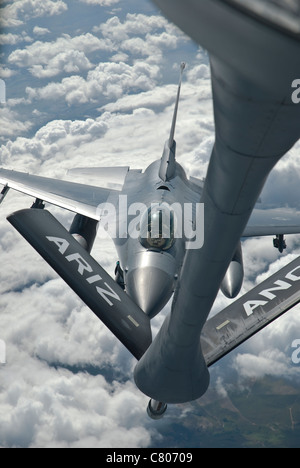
{"x":108,"y":177}
{"x":269,"y":222}
{"x":251,"y":313}
{"x":82,"y":199}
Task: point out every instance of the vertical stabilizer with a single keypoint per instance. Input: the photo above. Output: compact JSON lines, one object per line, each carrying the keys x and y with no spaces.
{"x":167,"y":167}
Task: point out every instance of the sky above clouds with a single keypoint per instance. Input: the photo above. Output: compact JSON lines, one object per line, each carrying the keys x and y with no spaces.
{"x":93,"y":82}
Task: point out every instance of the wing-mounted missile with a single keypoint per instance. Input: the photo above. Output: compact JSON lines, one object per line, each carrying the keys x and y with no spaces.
{"x":86,"y":277}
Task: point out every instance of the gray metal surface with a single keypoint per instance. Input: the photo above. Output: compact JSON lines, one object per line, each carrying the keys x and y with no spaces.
{"x":251,"y":313}
{"x":267,"y":222}
{"x":86,"y":277}
{"x":109,"y":177}
{"x":261,"y":52}
{"x":252,"y":67}
{"x":234,"y":278}
{"x":78,"y":198}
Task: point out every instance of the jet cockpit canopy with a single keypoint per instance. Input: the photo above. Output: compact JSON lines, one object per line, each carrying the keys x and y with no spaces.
{"x":157,"y":229}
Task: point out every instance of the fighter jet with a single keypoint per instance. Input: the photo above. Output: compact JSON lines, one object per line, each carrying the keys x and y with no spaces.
{"x":180,"y":238}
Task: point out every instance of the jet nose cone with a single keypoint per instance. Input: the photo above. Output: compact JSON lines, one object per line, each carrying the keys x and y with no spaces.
{"x":150,"y":288}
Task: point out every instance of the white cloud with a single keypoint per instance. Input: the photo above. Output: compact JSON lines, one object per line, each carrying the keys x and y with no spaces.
{"x":18,"y":12}
{"x":6,"y":72}
{"x":134,"y":24}
{"x":71,"y":89}
{"x":111,"y":80}
{"x":119,"y":57}
{"x":65,"y":62}
{"x":220,"y":388}
{"x":100,"y":2}
{"x":160,"y":96}
{"x":258,"y":366}
{"x":10,"y":123}
{"x":38,"y":31}
{"x":139,"y":34}
{"x":66,"y":54}
{"x":56,"y":408}
{"x":52,"y":140}
{"x":65,"y":142}
{"x":12,"y":39}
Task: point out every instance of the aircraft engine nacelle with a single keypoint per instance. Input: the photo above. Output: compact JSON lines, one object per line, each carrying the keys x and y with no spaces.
{"x":233,"y":280}
{"x":84,"y":230}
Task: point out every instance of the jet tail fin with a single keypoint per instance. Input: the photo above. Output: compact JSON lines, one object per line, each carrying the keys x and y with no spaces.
{"x":251,"y":313}
{"x":167,"y":167}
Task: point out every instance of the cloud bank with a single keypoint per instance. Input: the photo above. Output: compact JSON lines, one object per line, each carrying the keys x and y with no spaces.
{"x":18,"y":12}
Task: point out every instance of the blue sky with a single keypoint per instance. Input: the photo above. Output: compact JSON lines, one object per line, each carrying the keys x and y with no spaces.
{"x":93,"y":82}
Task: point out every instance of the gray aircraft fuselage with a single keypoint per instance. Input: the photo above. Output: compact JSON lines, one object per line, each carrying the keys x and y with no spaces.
{"x":151,"y":272}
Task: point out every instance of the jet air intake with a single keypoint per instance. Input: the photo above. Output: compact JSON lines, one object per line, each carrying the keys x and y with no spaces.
{"x":84,"y":230}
